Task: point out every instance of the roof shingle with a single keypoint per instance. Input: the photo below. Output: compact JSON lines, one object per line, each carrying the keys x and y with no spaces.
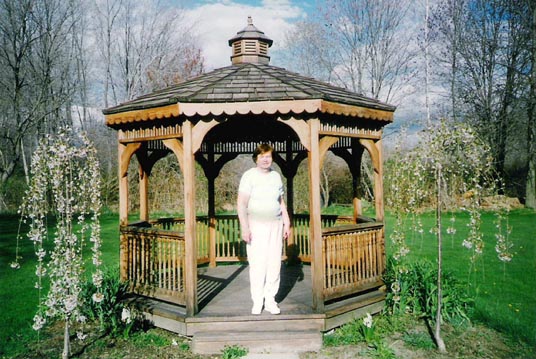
{"x":248,"y":82}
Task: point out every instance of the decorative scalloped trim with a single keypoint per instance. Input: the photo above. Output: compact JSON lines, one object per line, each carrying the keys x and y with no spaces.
{"x":248,"y":108}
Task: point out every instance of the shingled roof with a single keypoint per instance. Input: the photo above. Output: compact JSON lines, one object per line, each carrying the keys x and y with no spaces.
{"x":248,"y":83}
{"x":248,"y":87}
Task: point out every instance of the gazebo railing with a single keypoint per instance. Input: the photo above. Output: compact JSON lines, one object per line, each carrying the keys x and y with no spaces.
{"x":153,"y":262}
{"x":154,"y":252}
{"x":352,"y":259}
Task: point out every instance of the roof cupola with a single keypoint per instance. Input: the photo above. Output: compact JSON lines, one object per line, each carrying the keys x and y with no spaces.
{"x":250,"y":45}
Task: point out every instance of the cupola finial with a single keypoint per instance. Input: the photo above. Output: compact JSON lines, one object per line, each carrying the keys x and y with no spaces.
{"x":250,"y":45}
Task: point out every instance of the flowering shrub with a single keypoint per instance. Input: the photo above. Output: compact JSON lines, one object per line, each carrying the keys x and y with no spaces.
{"x":453,"y":161}
{"x":450,"y":168}
{"x":110,"y":310}
{"x":415,"y":292}
{"x":65,"y":183}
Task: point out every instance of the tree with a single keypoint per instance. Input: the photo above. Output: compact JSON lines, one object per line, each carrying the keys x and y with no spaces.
{"x":530,"y":191}
{"x":306,"y":51}
{"x":65,"y":183}
{"x":361,"y":45}
{"x":450,"y":168}
{"x":36,"y":83}
{"x":144,"y":47}
{"x":481,"y":49}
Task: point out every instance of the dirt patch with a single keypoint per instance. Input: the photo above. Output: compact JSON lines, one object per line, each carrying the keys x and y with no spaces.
{"x":475,"y":341}
{"x":501,"y":202}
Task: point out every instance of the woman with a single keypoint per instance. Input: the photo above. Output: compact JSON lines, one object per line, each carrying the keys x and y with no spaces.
{"x":264,"y":222}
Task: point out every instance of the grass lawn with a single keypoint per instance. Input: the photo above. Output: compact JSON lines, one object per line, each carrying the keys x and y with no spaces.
{"x":505,"y":293}
{"x":18,"y":298}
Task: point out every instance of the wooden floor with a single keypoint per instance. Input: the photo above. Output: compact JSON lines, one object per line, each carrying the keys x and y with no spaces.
{"x":224,"y":290}
{"x":225,"y":312}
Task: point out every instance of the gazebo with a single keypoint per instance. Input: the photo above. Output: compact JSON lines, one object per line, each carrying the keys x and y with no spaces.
{"x":172,"y":264}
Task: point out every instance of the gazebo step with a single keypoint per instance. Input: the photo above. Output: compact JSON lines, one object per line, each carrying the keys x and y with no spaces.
{"x":258,"y":342}
{"x":251,"y":324}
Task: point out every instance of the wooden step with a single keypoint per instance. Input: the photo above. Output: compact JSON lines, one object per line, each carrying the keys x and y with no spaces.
{"x":253,"y":323}
{"x":258,"y":342}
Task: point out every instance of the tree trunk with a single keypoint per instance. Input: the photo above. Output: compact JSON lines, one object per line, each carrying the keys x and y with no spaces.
{"x":530,"y":192}
{"x":66,"y":342}
{"x":437,"y":333}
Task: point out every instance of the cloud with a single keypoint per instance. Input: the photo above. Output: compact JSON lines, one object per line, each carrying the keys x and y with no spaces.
{"x":217,"y":22}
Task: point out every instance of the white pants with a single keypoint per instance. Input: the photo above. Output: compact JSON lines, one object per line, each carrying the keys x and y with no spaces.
{"x":264,"y":257}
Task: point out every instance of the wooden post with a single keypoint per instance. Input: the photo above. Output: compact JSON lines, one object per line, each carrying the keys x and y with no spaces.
{"x":315,"y":227}
{"x":375,"y":151}
{"x":355,"y":169}
{"x":211,"y":178}
{"x":189,"y":220}
{"x":144,"y":190}
{"x":378,"y":182}
{"x":290,"y":173}
{"x":125,"y":153}
{"x":123,"y":185}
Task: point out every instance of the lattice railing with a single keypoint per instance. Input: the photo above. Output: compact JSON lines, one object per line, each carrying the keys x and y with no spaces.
{"x":353,"y":259}
{"x":154,"y":261}
{"x":154,"y":253}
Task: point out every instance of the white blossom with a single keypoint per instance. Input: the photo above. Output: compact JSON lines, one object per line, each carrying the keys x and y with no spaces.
{"x":97,"y":297}
{"x":126,"y":316}
{"x":65,"y":180}
{"x":367,"y":321}
{"x":39,"y":322}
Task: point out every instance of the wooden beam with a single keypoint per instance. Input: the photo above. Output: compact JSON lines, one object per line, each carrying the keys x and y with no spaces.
{"x":375,"y":150}
{"x":144,"y":191}
{"x":176,"y":146}
{"x":315,"y":225}
{"x":125,"y":154}
{"x":325,"y":143}
{"x":211,"y":178}
{"x":353,"y":160}
{"x":301,"y":128}
{"x":189,"y":219}
{"x":146,"y":163}
{"x":199,"y":131}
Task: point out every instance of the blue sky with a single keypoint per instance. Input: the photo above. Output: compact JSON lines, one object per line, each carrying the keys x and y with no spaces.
{"x":216,"y":21}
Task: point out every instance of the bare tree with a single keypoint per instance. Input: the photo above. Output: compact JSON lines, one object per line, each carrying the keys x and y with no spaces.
{"x":530,"y":191}
{"x":144,"y":47}
{"x":374,"y":45}
{"x":307,"y":51}
{"x":485,"y":46}
{"x":36,"y":64}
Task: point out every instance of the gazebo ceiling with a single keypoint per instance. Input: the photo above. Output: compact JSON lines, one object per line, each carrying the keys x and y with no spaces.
{"x":249,"y":86}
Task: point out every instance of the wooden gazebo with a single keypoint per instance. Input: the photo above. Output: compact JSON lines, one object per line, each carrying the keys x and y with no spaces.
{"x":210,"y":120}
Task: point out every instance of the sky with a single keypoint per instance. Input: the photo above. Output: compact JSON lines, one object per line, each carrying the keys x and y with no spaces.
{"x":219,"y":20}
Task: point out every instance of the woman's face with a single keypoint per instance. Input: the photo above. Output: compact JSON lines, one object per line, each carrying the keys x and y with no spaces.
{"x":264,"y":160}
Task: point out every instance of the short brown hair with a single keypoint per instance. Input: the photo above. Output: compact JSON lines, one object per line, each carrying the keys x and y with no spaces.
{"x":261,"y":149}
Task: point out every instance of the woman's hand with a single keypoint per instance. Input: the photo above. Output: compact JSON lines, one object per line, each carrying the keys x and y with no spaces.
{"x":246,"y":235}
{"x":286,"y":230}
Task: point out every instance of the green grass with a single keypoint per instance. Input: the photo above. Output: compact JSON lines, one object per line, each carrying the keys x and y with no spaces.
{"x":18,"y":297}
{"x":505,"y":293}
